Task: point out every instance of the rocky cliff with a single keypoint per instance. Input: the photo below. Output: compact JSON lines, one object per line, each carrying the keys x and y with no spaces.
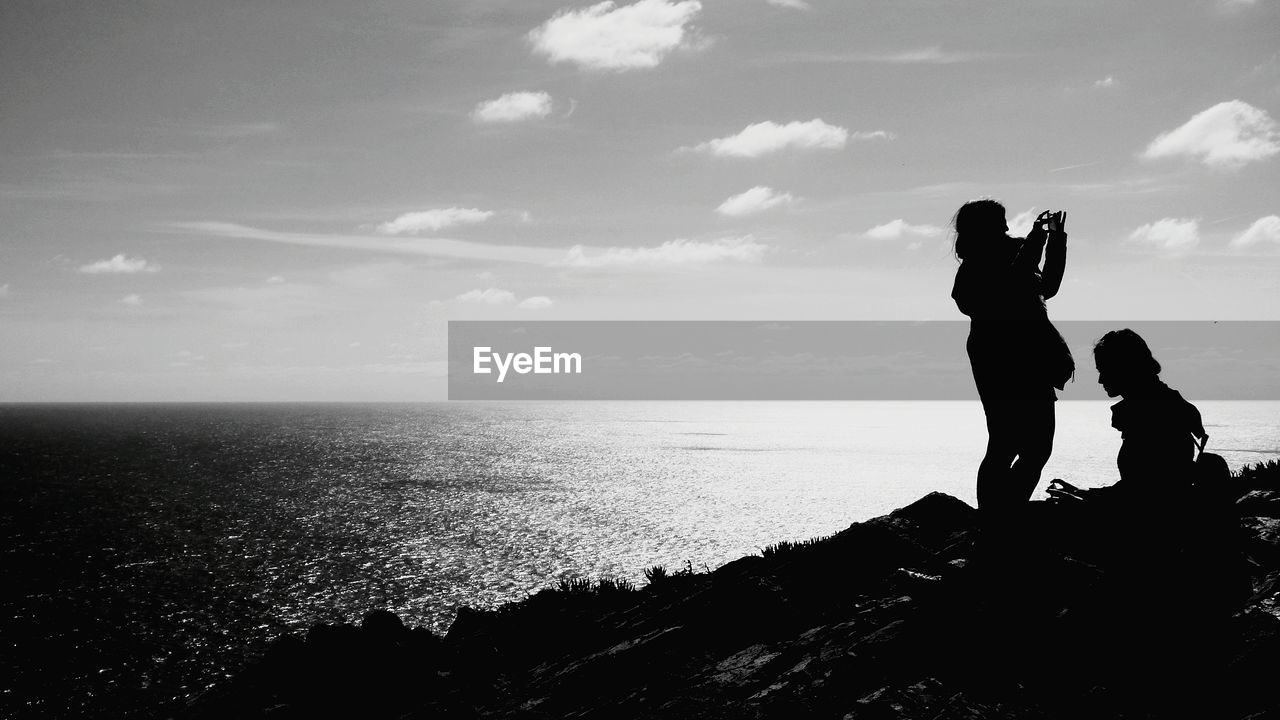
{"x":1067,"y":613}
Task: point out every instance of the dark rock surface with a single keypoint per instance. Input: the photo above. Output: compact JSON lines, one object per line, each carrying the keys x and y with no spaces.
{"x":910,"y":615}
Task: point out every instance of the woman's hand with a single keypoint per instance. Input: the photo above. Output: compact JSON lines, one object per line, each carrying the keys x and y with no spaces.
{"x":1063,"y":491}
{"x":1057,"y":231}
{"x":1038,"y":232}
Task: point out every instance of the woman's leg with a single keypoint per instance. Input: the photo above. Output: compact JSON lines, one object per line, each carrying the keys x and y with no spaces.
{"x":1033,"y":446}
{"x":994,"y":492}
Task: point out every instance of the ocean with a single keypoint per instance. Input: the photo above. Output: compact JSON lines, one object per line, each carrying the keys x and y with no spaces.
{"x":151,"y":550}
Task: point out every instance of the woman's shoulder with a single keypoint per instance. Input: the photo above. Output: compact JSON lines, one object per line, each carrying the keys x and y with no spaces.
{"x":1164,"y":410}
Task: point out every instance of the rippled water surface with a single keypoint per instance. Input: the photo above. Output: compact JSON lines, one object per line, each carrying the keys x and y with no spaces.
{"x":149,"y":549}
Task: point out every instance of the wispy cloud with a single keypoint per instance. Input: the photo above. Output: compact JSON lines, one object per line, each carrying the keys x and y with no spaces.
{"x":899,"y":229}
{"x":1147,"y":185}
{"x":513,"y":107}
{"x":1229,"y":134}
{"x":768,"y":137}
{"x":119,"y":265}
{"x":1076,"y":166}
{"x":433,"y":247}
{"x":757,"y":199}
{"x":4,"y":290}
{"x":605,"y":36}
{"x":132,"y":300}
{"x":916,"y":56}
{"x":932,"y":55}
{"x":497,"y":296}
{"x":790,"y":4}
{"x":537,"y":302}
{"x":1106,"y":82}
{"x":1169,"y":234}
{"x":433,"y":220}
{"x":488,"y":296}
{"x":668,"y":254}
{"x":1265,"y":230}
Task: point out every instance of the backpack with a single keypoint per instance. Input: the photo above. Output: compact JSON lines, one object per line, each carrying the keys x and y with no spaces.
{"x":1215,"y":556}
{"x":1058,"y":364}
{"x":1211,"y":475}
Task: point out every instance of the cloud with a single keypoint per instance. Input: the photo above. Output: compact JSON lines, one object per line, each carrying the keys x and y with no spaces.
{"x":537,"y":302}
{"x":768,"y":137}
{"x":513,"y":107}
{"x":931,"y":55}
{"x":1106,"y":82}
{"x":757,"y":199}
{"x":132,"y":300}
{"x":431,"y":247}
{"x":1075,"y":166}
{"x":275,"y":279}
{"x":4,"y":290}
{"x":898,"y":229}
{"x":119,"y":265}
{"x":1020,"y":224}
{"x":923,"y":56}
{"x":1170,"y":234}
{"x":1265,"y":230}
{"x":1229,"y":134}
{"x":488,"y":296}
{"x":791,"y":4}
{"x":605,"y":36}
{"x":433,"y":220}
{"x":670,"y":253}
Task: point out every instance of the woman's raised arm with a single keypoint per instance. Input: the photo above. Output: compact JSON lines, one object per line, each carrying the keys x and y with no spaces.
{"x":1055,"y":263}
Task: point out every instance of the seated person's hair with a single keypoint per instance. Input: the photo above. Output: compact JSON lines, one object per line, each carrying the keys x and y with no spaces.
{"x":1126,"y":351}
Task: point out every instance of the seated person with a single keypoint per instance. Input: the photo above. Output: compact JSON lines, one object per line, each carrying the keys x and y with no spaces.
{"x":1159,"y":430}
{"x":1168,"y":556}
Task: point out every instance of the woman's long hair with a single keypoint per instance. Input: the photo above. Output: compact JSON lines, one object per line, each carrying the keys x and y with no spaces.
{"x":976,"y":221}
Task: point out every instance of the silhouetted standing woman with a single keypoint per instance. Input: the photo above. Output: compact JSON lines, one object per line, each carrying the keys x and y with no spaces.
{"x":1017,"y":356}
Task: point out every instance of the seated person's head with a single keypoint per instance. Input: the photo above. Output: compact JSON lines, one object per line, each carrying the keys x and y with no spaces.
{"x":1124,"y":362}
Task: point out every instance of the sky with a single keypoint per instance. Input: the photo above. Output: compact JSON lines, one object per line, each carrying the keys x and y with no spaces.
{"x":290,"y":200}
